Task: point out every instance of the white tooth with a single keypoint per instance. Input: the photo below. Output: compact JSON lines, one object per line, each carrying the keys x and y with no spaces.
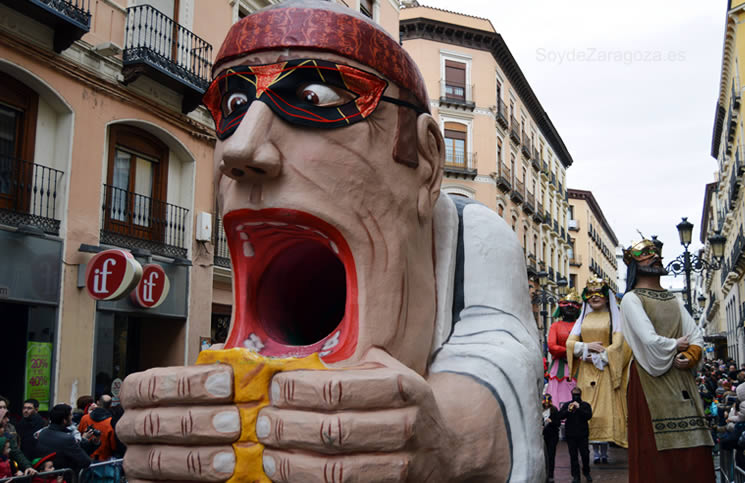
{"x":334,"y":247}
{"x":303,"y":227}
{"x":319,"y":233}
{"x":239,"y":228}
{"x":243,"y":236}
{"x":248,"y":249}
{"x":277,"y":223}
{"x":254,"y":223}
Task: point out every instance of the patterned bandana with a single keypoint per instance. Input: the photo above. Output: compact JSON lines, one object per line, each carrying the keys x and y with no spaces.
{"x":306,"y":92}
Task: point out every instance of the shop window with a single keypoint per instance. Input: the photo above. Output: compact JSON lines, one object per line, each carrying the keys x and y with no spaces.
{"x":455,"y":144}
{"x":18,"y":108}
{"x":455,"y":80}
{"x":135,"y":191}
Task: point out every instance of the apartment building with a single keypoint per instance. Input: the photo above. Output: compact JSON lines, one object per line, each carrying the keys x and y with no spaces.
{"x":104,"y":144}
{"x":724,"y":210}
{"x":501,"y":147}
{"x":593,"y":243}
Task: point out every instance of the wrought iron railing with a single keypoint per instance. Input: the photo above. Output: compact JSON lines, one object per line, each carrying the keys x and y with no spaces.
{"x":459,"y":159}
{"x":153,"y":37}
{"x":504,"y":177}
{"x":133,"y":220}
{"x":28,"y":194}
{"x":526,"y":146}
{"x":502,"y":113}
{"x":518,"y":190}
{"x":222,"y":254}
{"x":514,"y":130}
{"x":458,"y":94}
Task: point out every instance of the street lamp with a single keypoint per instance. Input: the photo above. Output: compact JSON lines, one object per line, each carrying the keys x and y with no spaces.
{"x":543,"y":297}
{"x":687,"y":262}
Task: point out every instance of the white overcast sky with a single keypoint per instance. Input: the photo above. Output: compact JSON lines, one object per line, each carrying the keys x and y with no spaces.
{"x":637,"y":116}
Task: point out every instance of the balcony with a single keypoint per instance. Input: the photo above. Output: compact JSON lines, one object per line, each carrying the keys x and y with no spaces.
{"x":529,"y":204}
{"x":163,"y":50}
{"x":132,"y":220}
{"x":457,"y":96}
{"x":518,"y":191}
{"x":28,"y":194}
{"x":563,"y":235}
{"x":551,"y":273}
{"x":735,"y":98}
{"x":734,"y":188}
{"x":68,"y":19}
{"x":501,"y":114}
{"x":531,"y":266}
{"x":514,"y":130}
{"x":538,"y":215}
{"x":461,"y":165}
{"x":503,"y":178}
{"x":547,"y":219}
{"x":535,"y":160}
{"x":556,"y":226}
{"x":527,"y":146}
{"x":576,"y":261}
{"x":573,"y":225}
{"x":222,"y":254}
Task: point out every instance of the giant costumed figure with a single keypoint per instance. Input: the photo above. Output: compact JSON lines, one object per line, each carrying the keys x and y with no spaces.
{"x":600,"y":361}
{"x":560,"y":380}
{"x":669,"y":439}
{"x":366,"y":304}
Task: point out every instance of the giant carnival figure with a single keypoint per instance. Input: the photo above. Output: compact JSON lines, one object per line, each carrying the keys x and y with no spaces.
{"x":560,"y":380}
{"x":669,"y":439}
{"x":600,"y":361}
{"x":381,"y":331}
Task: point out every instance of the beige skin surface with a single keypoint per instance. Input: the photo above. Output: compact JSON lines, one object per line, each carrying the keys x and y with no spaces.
{"x":391,"y":421}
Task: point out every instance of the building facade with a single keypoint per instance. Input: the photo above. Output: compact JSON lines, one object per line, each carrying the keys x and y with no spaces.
{"x":501,"y":147}
{"x":103,"y":144}
{"x":593,"y":243}
{"x":724,"y":209}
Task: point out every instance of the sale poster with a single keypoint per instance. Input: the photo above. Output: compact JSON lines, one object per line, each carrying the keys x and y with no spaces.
{"x":38,"y":369}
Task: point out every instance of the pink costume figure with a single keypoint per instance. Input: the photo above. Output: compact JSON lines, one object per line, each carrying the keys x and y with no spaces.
{"x":560,"y":381}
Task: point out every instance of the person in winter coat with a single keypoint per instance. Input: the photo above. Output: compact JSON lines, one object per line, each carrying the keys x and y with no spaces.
{"x":28,"y":425}
{"x":9,"y":433}
{"x":100,"y":419}
{"x":577,"y":413}
{"x":58,"y":439}
{"x":551,"y":423}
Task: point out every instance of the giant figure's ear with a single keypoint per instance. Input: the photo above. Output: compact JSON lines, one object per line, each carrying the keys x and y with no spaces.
{"x":431,"y":156}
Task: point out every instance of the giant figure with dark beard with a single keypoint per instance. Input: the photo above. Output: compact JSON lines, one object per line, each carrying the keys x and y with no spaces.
{"x":668,"y":437}
{"x":560,"y":381}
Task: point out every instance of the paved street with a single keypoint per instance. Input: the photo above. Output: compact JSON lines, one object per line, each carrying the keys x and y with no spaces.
{"x":616,"y":471}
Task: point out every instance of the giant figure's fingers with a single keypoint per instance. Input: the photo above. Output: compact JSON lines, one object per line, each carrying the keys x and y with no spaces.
{"x":282,"y":466}
{"x":344,"y":432}
{"x":181,"y":463}
{"x":180,"y":425}
{"x":347,"y":389}
{"x":178,"y":386}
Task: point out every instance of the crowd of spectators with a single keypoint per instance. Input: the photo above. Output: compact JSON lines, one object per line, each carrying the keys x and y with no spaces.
{"x":721,"y":385}
{"x":69,"y":438}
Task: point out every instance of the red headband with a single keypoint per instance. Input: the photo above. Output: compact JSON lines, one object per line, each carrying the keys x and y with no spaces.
{"x":325,"y":30}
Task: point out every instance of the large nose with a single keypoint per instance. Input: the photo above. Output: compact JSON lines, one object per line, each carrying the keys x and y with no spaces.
{"x":250,"y":153}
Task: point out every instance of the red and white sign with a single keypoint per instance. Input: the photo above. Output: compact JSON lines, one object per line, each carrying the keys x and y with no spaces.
{"x":111,"y":274}
{"x":153,"y":288}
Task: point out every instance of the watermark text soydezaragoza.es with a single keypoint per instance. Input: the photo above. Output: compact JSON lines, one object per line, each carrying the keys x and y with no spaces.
{"x":626,"y":57}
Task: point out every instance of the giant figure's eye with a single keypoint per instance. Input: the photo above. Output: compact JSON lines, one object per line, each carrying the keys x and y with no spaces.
{"x":324,"y":95}
{"x":233,"y":102}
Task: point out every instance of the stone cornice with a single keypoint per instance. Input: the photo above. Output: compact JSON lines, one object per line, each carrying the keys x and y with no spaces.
{"x":424,"y":28}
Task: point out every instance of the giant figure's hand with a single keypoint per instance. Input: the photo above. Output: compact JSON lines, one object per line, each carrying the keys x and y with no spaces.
{"x":380,"y":422}
{"x":377,"y":421}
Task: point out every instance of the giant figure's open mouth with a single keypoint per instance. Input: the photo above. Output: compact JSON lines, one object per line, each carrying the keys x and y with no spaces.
{"x":295,"y":285}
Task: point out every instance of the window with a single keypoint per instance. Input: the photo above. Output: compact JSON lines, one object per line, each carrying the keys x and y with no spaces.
{"x":512,"y":166}
{"x":366,"y":7}
{"x":455,"y":80}
{"x":500,"y":210}
{"x":572,"y":280}
{"x":18,"y":107}
{"x":499,"y":91}
{"x":455,"y":144}
{"x":136,"y":184}
{"x":499,"y":153}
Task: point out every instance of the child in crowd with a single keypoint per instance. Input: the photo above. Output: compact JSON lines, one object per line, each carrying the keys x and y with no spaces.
{"x":8,"y":467}
{"x":45,"y":465}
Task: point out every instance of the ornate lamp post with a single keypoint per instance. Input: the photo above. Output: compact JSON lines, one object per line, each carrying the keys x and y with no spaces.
{"x":543,"y":297}
{"x":687,"y":262}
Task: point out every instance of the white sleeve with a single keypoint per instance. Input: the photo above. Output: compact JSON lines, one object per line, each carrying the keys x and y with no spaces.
{"x":579,"y":348}
{"x":495,"y":338}
{"x":653,"y":352}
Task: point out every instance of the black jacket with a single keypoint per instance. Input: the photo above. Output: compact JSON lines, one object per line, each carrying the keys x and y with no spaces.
{"x":57,"y":438}
{"x":26,"y":428}
{"x":551,"y":430}
{"x":576,"y":421}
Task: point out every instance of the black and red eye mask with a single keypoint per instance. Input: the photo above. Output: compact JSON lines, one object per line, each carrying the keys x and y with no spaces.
{"x":304,"y":92}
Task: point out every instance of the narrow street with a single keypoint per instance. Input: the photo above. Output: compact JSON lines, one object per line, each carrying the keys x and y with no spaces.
{"x":616,"y":471}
